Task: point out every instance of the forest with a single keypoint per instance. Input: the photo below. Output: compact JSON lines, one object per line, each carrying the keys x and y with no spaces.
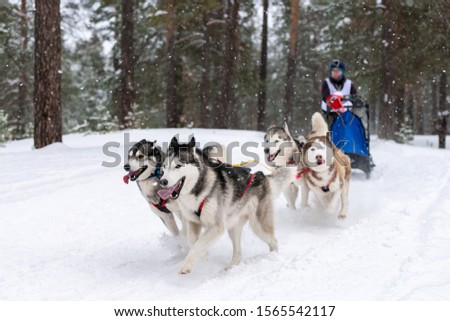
{"x":98,"y":66}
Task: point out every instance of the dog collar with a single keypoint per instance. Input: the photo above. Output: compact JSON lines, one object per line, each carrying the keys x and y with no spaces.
{"x":156,"y":173}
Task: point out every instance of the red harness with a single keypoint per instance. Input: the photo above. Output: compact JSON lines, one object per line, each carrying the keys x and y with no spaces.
{"x":324,"y":189}
{"x":299,"y":174}
{"x":161,"y":206}
{"x":250,"y":181}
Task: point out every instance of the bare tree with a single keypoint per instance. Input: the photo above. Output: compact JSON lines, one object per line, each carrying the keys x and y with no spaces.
{"x":386,"y":127}
{"x":228,"y":99}
{"x":263,"y":71}
{"x":126,"y":92}
{"x":443,"y":110}
{"x":171,"y":66}
{"x":19,"y":114}
{"x":292,"y":61}
{"x":47,"y":73}
{"x":204,"y":99}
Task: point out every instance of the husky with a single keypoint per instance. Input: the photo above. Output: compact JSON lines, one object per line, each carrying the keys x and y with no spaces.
{"x":283,"y":151}
{"x":144,"y":167}
{"x":325,"y":168}
{"x":216,"y":196}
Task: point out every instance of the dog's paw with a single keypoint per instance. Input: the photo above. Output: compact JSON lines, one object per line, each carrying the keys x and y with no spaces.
{"x":231,"y":264}
{"x":305,"y":206}
{"x":187,"y":268}
{"x":342,"y":216}
{"x":273,"y":246}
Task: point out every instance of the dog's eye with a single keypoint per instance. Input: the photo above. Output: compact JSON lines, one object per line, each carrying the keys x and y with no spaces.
{"x":313,"y":149}
{"x":178,"y":166}
{"x":276,"y":141}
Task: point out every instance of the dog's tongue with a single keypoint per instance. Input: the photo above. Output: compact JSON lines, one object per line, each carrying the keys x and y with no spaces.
{"x":165,"y":193}
{"x":126,"y":178}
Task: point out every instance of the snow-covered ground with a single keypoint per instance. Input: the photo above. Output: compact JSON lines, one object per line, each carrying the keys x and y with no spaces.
{"x":70,"y":229}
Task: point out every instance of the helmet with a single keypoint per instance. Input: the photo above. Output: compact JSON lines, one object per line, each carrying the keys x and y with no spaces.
{"x":337,"y":64}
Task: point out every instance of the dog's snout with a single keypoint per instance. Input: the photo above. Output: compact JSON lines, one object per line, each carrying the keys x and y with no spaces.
{"x":126,"y":167}
{"x":319,"y":157}
{"x":163,"y":182}
{"x":266,"y":150}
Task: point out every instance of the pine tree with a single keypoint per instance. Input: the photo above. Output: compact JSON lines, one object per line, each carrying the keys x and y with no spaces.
{"x":47,"y":70}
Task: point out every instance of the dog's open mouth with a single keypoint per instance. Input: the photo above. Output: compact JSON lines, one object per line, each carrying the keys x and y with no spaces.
{"x":271,"y":157}
{"x":319,"y":160}
{"x":134,"y":174}
{"x":172,"y":191}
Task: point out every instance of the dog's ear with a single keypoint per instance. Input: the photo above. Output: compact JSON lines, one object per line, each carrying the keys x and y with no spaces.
{"x":192,"y":142}
{"x":271,"y":126}
{"x":174,"y":142}
{"x":286,"y":129}
{"x":158,"y":154}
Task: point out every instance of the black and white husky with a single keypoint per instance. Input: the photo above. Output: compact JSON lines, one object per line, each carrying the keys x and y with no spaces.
{"x":283,"y":152}
{"x":215,"y":197}
{"x":144,"y":167}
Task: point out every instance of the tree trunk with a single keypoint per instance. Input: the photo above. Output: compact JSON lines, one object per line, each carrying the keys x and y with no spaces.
{"x":171,"y":66}
{"x":125,"y":110}
{"x":409,"y":105}
{"x":434,"y":106}
{"x":399,"y":105}
{"x":289,"y":97}
{"x":388,"y":119}
{"x":263,"y":72}
{"x":228,"y":99}
{"x":443,"y":110}
{"x":419,"y":119}
{"x":204,"y":98}
{"x":19,"y":114}
{"x":47,"y":74}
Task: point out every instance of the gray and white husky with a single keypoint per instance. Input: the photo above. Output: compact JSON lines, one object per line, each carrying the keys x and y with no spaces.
{"x":215,"y":197}
{"x":144,"y":167}
{"x":283,"y":151}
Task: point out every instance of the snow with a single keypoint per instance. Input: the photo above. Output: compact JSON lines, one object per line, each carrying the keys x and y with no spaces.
{"x":70,"y":229}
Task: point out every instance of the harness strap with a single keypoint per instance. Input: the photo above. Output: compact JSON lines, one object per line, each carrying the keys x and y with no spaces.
{"x":250,"y":181}
{"x":200,"y":207}
{"x":161,"y":206}
{"x":299,"y":174}
{"x":325,"y":188}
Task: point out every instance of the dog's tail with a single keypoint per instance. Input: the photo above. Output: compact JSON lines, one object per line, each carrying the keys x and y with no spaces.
{"x":319,"y":125}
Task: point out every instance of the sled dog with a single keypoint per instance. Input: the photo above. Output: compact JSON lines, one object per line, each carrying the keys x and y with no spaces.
{"x":283,"y":151}
{"x":325,"y":168}
{"x":216,"y":197}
